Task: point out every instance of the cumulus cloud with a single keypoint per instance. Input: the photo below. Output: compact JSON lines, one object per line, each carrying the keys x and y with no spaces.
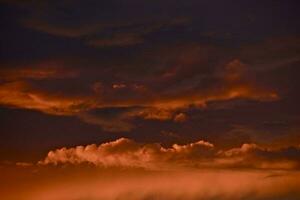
{"x":126,"y":153}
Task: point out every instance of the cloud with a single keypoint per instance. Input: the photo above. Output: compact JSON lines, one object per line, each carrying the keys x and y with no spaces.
{"x":254,"y":156}
{"x":176,"y":80}
{"x":21,"y":95}
{"x":181,"y":117}
{"x":24,"y":164}
{"x":154,"y":113}
{"x":44,"y":72}
{"x":126,"y":153}
{"x":118,"y":86}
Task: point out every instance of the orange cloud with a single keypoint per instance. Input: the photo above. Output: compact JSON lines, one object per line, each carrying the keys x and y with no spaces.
{"x":22,"y":95}
{"x":155,"y":113}
{"x":181,"y":117}
{"x":255,"y":156}
{"x":126,"y":153}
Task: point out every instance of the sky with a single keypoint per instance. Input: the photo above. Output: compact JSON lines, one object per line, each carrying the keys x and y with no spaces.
{"x":120,"y":99}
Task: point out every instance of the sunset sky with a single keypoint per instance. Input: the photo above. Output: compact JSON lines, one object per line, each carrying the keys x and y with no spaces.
{"x":149,"y":99}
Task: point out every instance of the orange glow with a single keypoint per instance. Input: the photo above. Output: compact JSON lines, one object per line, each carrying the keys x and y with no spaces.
{"x":89,"y":183}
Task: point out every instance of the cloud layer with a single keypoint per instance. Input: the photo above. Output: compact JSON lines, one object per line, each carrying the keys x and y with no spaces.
{"x":88,"y":183}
